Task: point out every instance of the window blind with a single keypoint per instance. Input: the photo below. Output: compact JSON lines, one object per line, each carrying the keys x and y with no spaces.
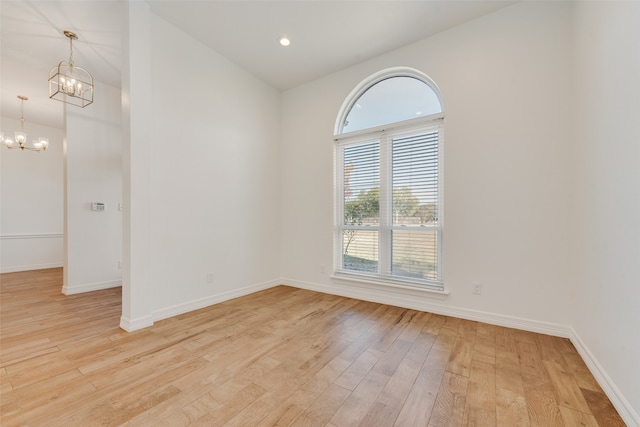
{"x":361,"y":212}
{"x":414,"y":222}
{"x":389,"y":208}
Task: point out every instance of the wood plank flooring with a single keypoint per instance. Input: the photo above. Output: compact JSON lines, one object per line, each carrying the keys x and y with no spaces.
{"x":281,"y":357}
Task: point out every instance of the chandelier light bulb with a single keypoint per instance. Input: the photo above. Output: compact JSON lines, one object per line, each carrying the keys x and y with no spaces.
{"x":41,"y":143}
{"x":21,"y":137}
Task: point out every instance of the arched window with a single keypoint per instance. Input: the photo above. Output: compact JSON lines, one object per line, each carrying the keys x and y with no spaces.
{"x":389,"y":135}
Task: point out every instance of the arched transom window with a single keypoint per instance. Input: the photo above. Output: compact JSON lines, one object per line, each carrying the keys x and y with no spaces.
{"x":389,"y":136}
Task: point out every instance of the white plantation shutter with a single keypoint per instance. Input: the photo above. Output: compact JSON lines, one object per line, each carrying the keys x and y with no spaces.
{"x":415,"y":233}
{"x":361,"y":216}
{"x":389,"y":209}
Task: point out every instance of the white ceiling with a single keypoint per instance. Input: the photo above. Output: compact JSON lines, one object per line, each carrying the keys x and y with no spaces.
{"x":326,"y":36}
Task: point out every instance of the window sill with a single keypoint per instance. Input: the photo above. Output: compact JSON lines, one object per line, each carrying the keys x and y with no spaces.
{"x":359,"y":280}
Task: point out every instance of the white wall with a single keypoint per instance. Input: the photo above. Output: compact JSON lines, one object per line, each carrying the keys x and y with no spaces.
{"x":606,"y":293}
{"x":505,"y":80}
{"x":31,"y":193}
{"x":214,"y":175}
{"x":93,"y":240}
{"x":137,"y":289}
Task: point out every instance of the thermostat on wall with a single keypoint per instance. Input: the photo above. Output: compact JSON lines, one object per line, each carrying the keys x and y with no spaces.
{"x":97,"y":206}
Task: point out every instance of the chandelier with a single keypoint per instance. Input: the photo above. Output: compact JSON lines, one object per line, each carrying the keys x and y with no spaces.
{"x":20,"y":138}
{"x":70,"y":84}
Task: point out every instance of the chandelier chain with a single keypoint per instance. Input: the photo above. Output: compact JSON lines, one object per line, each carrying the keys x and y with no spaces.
{"x":22,"y":114}
{"x":71,"y":51}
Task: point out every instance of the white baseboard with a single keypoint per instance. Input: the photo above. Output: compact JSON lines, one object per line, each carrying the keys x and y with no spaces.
{"x":408,"y":300}
{"x":78,"y":289}
{"x":424,"y":303}
{"x":212,"y":299}
{"x":15,"y":269}
{"x":32,"y":236}
{"x":131,"y":325}
{"x":622,"y":405}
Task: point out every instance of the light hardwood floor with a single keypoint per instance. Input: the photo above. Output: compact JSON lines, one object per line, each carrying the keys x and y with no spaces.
{"x":283,"y":356}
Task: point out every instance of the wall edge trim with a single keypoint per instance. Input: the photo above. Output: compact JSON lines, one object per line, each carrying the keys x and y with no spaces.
{"x":175,"y":310}
{"x":131,"y":325}
{"x":19,"y":268}
{"x":89,"y":287}
{"x":32,"y":236}
{"x":622,"y":405}
{"x":432,"y":306}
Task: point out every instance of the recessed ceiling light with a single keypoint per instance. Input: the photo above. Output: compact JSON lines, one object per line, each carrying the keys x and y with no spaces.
{"x":284,"y":41}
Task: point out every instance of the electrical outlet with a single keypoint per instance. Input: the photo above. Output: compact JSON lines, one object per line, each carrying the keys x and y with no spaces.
{"x":476,"y":288}
{"x":209,"y":277}
{"x":322,"y":269}
{"x":119,"y":265}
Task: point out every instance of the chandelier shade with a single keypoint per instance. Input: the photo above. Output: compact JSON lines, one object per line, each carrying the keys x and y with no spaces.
{"x":69,"y":83}
{"x":20,"y":137}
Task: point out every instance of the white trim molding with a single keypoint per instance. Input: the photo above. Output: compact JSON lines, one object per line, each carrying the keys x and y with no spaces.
{"x":418,"y":299}
{"x":372,"y":283}
{"x":178,"y":309}
{"x":79,"y":289}
{"x":425,"y":302}
{"x":622,"y":405}
{"x":32,"y":236}
{"x":15,"y":269}
{"x":31,"y":251}
{"x":131,"y":325}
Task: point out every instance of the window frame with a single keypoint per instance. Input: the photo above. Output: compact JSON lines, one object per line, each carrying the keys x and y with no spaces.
{"x":371,"y":81}
{"x":385,"y":134}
